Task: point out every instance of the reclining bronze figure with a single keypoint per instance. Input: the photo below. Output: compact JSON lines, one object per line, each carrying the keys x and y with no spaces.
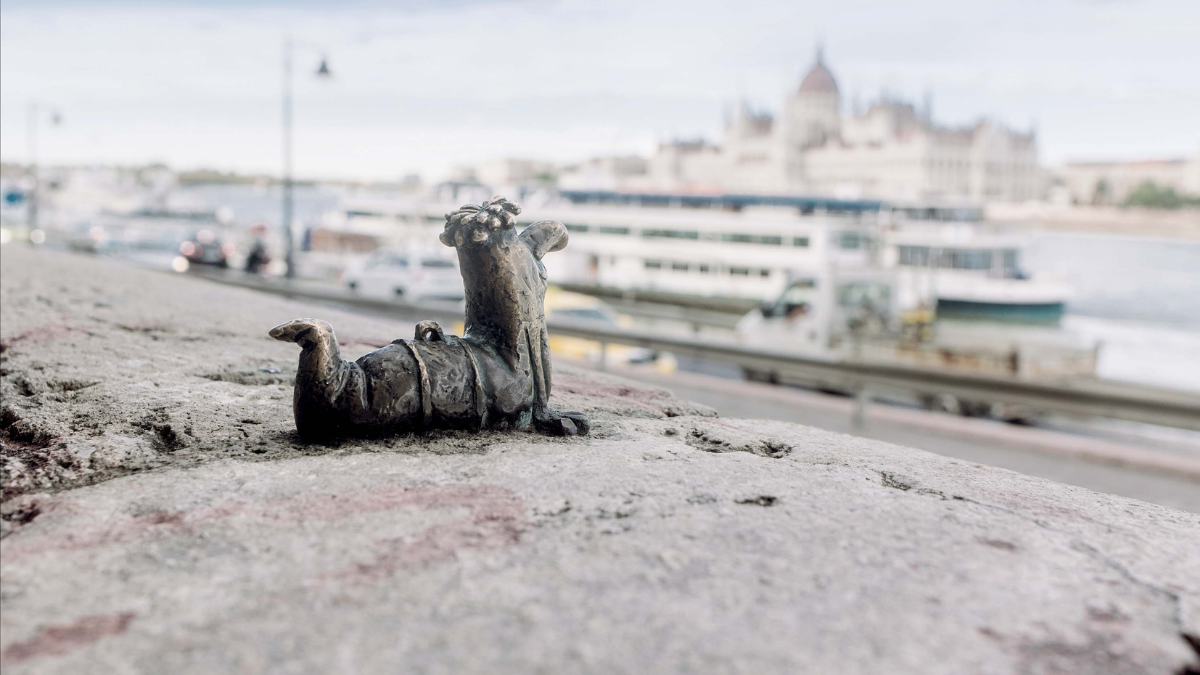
{"x":496,"y":376}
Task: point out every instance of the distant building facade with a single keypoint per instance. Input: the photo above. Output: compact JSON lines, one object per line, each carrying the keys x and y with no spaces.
{"x":890,"y":151}
{"x":1111,"y":183}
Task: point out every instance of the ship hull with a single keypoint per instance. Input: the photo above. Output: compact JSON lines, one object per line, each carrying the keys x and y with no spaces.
{"x":1040,"y":312}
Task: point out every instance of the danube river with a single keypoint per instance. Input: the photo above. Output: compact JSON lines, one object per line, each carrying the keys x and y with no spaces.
{"x":1140,"y":297}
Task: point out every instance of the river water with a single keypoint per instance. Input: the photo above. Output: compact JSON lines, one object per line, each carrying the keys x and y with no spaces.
{"x":1139,"y":297}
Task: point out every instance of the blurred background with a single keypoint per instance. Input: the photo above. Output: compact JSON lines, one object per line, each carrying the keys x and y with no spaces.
{"x":970,"y":229}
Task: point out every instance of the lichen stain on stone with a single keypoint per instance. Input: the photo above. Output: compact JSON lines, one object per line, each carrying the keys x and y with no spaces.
{"x":63,"y":639}
{"x":496,"y":517}
{"x":37,"y":335}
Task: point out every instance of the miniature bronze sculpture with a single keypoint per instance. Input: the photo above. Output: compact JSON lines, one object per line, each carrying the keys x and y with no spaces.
{"x":496,"y":376}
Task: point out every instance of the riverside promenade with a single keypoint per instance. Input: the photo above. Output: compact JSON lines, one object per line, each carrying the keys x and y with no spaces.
{"x":161,"y":515}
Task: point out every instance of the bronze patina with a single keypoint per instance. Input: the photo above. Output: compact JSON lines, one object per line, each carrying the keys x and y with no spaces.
{"x":496,"y":376}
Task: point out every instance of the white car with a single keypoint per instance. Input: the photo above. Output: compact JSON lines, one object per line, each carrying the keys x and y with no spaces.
{"x":409,"y":276}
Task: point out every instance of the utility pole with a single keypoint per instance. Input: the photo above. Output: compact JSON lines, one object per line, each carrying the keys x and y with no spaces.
{"x":288,"y":239}
{"x":288,"y":204}
{"x":33,"y":127}
{"x":31,"y":138}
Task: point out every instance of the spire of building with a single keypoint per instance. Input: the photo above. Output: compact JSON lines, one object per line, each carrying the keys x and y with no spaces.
{"x":819,"y":79}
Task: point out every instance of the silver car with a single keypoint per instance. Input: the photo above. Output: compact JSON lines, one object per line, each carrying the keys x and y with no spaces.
{"x":411,"y":276}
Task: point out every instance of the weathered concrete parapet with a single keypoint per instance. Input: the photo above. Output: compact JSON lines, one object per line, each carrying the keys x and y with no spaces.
{"x":160,"y":515}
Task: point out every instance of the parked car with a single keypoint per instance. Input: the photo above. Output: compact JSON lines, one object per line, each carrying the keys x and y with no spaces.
{"x":583,"y":310}
{"x":88,"y":237}
{"x":412,"y":276}
{"x":206,"y":249}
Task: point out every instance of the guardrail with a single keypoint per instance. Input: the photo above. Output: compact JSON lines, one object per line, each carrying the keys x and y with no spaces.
{"x":1082,"y":396}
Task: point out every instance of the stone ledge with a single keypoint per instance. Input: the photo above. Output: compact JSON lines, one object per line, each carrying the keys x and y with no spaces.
{"x":161,"y":516}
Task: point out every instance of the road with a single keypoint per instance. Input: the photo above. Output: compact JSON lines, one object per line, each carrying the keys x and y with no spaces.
{"x":1064,"y":457}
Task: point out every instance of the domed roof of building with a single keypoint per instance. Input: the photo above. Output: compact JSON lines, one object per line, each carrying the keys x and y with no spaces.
{"x":819,"y":80}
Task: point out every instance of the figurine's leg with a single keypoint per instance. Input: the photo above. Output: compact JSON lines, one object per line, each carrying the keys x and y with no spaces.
{"x":329,"y":390}
{"x":308,"y":333}
{"x":545,"y":420}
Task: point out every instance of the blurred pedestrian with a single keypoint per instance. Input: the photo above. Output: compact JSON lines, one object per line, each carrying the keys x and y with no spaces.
{"x":258,"y":257}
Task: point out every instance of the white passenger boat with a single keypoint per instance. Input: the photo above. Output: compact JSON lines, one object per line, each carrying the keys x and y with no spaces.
{"x":971,"y":273}
{"x":745,"y":247}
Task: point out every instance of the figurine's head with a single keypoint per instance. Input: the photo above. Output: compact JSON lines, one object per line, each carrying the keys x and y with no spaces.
{"x":474,"y":224}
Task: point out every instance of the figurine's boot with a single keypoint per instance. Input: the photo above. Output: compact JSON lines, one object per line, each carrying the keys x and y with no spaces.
{"x":330,"y":392}
{"x":545,"y":419}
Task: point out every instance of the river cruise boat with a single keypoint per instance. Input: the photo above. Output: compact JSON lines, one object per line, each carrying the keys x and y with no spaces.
{"x":971,"y":273}
{"x":744,"y":248}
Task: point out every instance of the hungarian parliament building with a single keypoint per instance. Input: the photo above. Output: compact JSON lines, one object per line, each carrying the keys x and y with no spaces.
{"x":890,"y":151}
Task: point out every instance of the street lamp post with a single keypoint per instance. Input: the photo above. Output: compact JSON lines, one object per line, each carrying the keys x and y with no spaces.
{"x":32,"y":206}
{"x":34,"y":122}
{"x":288,"y":206}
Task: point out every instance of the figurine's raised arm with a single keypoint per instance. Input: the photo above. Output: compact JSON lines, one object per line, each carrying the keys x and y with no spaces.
{"x":545,"y":236}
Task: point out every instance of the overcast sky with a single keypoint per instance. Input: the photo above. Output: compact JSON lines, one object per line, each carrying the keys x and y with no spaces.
{"x":425,"y":86}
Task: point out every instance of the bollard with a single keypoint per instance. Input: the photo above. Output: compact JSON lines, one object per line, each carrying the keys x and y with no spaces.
{"x":862,"y":397}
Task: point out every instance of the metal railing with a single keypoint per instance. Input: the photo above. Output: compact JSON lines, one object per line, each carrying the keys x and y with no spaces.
{"x":1077,"y":396}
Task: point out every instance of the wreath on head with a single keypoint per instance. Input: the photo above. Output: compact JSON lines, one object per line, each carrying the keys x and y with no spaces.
{"x":476,"y":222}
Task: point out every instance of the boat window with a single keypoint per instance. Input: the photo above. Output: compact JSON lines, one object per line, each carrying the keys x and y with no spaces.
{"x":739,"y":271}
{"x":653,"y":264}
{"x":762,"y":239}
{"x":670,"y":234}
{"x":704,"y":269}
{"x":850,"y":240}
{"x":914,"y":256}
{"x":613,"y":230}
{"x":865,"y":294}
{"x":572,"y":227}
{"x":800,"y":241}
{"x":764,"y":273}
{"x":967,"y":259}
{"x":800,"y":295}
{"x":979,"y":260}
{"x":1011,"y":259}
{"x":679,"y":266}
{"x":435,"y":263}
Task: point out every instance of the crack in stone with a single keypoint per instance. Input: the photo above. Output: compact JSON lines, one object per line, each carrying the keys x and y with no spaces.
{"x":892,"y":481}
{"x":710,"y":438}
{"x":1128,"y":575}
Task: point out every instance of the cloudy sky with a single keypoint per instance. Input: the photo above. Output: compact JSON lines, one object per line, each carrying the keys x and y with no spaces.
{"x":425,"y":86}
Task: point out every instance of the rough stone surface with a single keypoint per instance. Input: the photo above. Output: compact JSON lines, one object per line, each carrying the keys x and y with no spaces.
{"x":160,"y":515}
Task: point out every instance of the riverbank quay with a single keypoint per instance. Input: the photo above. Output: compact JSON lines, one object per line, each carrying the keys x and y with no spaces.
{"x":160,"y":515}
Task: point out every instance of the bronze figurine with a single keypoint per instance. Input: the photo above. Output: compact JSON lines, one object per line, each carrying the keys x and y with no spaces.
{"x":496,"y":376}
